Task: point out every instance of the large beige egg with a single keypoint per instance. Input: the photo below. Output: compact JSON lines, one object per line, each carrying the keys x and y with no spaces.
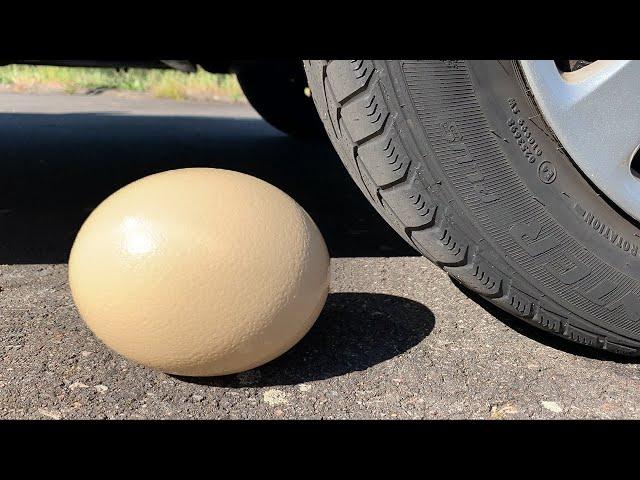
{"x":199,"y":272}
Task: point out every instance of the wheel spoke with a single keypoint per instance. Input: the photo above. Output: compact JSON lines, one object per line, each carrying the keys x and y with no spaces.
{"x":595,"y":113}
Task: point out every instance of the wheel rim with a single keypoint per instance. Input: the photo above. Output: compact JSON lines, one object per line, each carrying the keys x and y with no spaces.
{"x":595,"y":114}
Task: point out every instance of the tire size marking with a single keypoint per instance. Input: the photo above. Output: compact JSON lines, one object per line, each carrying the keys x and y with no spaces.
{"x":528,"y":144}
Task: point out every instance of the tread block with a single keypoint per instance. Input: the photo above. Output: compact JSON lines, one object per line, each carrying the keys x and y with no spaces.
{"x":372,"y":188}
{"x":445,"y":244}
{"x":410,"y":203}
{"x":480,"y":276}
{"x":332,"y":113}
{"x":517,"y":302}
{"x":620,"y":349}
{"x":385,"y":158}
{"x":348,"y":77}
{"x":579,"y":335}
{"x":366,"y":115}
{"x":550,"y":320}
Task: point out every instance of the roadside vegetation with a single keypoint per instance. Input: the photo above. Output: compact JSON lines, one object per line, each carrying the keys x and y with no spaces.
{"x":159,"y":83}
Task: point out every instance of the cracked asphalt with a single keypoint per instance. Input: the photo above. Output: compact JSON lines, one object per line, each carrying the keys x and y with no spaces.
{"x":396,"y":339}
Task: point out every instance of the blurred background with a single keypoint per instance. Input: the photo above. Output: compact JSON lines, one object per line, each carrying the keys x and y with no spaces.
{"x":173,"y":84}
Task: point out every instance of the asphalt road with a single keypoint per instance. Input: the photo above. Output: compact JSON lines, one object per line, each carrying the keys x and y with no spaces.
{"x":397,"y":339}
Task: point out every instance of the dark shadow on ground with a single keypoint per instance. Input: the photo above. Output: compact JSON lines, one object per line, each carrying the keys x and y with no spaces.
{"x":57,"y":167}
{"x":355,"y":331}
{"x":545,"y":337}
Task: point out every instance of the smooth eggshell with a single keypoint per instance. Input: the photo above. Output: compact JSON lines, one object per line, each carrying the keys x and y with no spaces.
{"x":199,"y":272}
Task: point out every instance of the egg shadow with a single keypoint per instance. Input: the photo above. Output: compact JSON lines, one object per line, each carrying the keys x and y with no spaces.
{"x":355,"y":331}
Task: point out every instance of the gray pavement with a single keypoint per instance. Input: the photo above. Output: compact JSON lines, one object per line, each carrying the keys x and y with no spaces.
{"x":397,"y":339}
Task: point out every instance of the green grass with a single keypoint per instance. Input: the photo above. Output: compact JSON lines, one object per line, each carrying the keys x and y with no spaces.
{"x":160,"y":83}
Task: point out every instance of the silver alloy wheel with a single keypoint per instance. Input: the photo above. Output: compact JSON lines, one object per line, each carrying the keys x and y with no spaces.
{"x":595,"y":113}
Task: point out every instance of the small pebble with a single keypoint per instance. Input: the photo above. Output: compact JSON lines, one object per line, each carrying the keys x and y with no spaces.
{"x":76,"y":385}
{"x":49,"y":414}
{"x":275,"y":397}
{"x":552,"y":406}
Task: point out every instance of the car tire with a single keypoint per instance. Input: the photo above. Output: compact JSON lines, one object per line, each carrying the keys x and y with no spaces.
{"x":458,"y":160}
